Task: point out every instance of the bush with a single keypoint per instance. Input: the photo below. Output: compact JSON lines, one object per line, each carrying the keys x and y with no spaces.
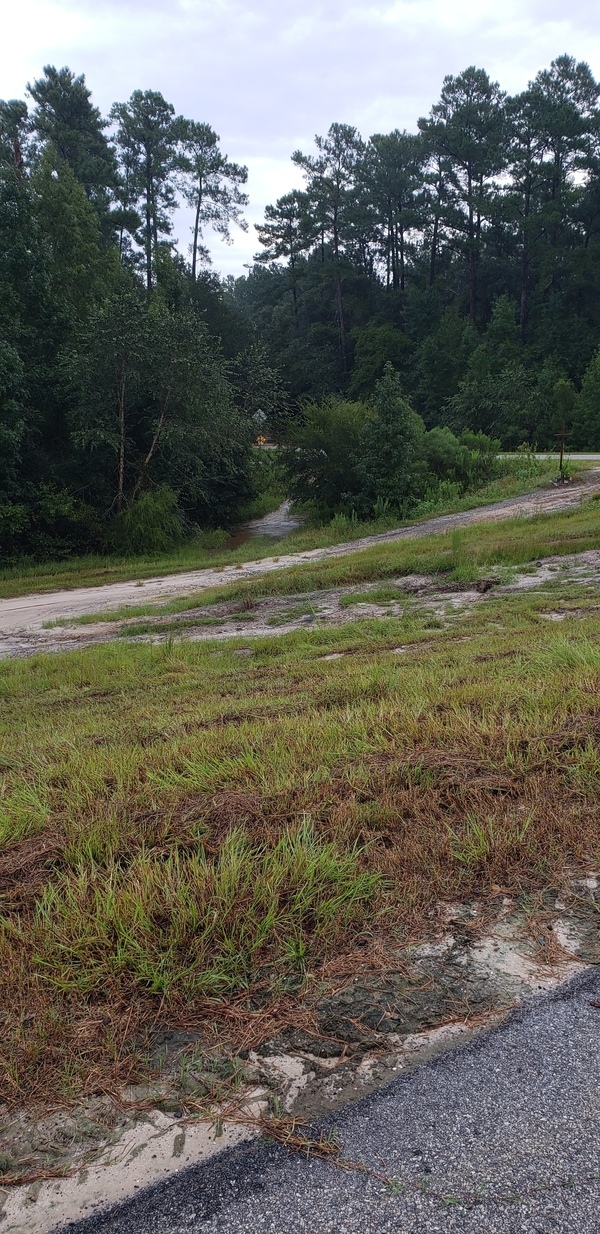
{"x":53,"y":525}
{"x":467,"y":461}
{"x":152,"y":524}
{"x":321,"y":457}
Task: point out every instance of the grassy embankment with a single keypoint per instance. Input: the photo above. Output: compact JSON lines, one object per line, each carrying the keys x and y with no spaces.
{"x":210,"y":550}
{"x":459,"y":556}
{"x":188,"y":833}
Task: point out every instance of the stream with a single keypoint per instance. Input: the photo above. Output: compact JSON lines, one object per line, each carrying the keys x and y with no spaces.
{"x":277,"y":524}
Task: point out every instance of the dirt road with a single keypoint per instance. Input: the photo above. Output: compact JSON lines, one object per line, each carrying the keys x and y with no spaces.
{"x":29,"y":613}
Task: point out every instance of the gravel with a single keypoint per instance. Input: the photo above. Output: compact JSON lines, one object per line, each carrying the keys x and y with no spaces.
{"x":500,"y":1136}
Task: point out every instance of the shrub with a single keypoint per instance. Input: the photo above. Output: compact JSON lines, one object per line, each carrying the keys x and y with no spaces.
{"x":320,"y":460}
{"x":390,"y":464}
{"x":152,"y":524}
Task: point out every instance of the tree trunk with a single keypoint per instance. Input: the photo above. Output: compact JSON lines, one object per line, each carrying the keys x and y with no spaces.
{"x":153,"y":445}
{"x":525,"y":261}
{"x":18,"y":157}
{"x":433,"y":256}
{"x":148,"y":248}
{"x":472,"y":253}
{"x":341,"y":323}
{"x":121,"y":466}
{"x":395,"y":271}
{"x":524,"y":296}
{"x":148,"y":223}
{"x":196,"y":230}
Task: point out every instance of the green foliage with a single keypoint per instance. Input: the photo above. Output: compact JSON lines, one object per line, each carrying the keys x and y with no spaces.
{"x":260,"y":393}
{"x":69,"y":230}
{"x":268,"y":483}
{"x":465,"y":256}
{"x":72,"y":129}
{"x":389,"y":462}
{"x":152,"y":403}
{"x":516,"y":404}
{"x":443,"y":357}
{"x":350,"y":459}
{"x":51,"y":524}
{"x":153,"y":523}
{"x":586,"y":427}
{"x":469,"y":461}
{"x":374,"y":347}
{"x":320,"y":459}
{"x":211,"y":185}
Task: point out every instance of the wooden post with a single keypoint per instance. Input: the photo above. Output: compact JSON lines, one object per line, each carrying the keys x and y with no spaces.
{"x":562,"y":437}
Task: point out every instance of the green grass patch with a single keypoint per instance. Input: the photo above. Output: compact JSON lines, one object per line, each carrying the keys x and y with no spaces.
{"x":184,"y":824}
{"x":376,"y":595}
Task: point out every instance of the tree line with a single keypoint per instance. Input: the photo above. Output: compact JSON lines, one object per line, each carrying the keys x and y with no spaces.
{"x":128,"y":380}
{"x":467,"y":254}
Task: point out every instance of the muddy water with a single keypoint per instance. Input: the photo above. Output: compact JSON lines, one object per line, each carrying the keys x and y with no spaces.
{"x":277,"y":524}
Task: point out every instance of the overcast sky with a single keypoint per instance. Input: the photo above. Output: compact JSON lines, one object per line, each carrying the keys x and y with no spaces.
{"x":269,"y":74}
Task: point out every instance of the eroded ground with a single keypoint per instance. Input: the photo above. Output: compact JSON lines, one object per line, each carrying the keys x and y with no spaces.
{"x":382,"y":1008}
{"x":370,"y":1017}
{"x":439,"y":602}
{"x":22,"y":619}
{"x":384,"y":1014}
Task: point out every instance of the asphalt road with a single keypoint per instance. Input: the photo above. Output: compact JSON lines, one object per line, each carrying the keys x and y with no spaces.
{"x":498,"y":1137}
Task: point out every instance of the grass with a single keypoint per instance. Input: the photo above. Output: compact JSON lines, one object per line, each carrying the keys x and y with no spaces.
{"x":378,"y":595}
{"x":210,"y":550}
{"x":187,"y":832}
{"x":461,"y":555}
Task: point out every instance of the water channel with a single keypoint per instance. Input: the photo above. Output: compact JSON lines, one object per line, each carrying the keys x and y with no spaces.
{"x":277,"y":524}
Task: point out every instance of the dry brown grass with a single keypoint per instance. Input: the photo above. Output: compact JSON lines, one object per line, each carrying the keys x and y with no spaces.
{"x":157,"y":805}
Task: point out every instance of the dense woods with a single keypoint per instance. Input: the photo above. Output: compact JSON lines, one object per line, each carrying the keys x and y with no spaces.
{"x":423,"y":296}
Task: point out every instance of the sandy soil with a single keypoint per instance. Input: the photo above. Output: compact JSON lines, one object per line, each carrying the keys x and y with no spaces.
{"x":421,"y":594}
{"x":385,"y":1020}
{"x":29,"y":613}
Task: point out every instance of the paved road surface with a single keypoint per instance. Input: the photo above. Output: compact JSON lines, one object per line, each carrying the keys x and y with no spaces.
{"x":499,"y":1137}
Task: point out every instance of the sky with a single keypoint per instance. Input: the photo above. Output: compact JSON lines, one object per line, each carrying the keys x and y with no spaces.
{"x":269,"y":74}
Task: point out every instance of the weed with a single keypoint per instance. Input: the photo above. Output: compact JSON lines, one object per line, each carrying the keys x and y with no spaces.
{"x":376,"y":595}
{"x":481,"y":839}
